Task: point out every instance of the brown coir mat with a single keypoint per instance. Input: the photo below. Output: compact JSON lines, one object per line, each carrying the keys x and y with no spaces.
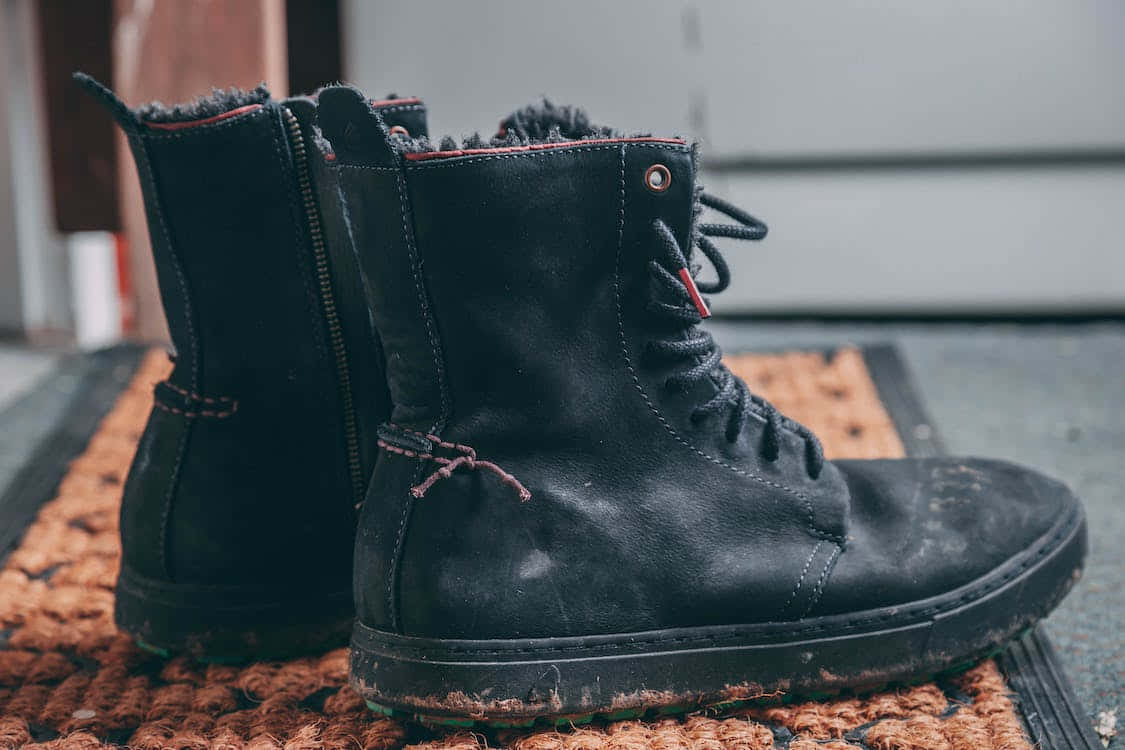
{"x":68,"y":679}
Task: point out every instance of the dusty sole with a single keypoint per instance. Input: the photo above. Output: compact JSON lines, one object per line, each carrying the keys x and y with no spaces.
{"x":574,"y":720}
{"x":230,"y":624}
{"x":517,"y":681}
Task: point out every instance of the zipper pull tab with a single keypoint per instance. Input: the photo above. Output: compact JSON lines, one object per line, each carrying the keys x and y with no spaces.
{"x":693,"y":290}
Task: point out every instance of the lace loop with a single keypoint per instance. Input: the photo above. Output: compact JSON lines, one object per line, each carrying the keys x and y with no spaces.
{"x":673,"y":276}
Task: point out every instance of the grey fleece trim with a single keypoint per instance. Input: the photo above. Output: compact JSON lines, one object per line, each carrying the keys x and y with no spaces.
{"x":543,"y":122}
{"x":219,"y":102}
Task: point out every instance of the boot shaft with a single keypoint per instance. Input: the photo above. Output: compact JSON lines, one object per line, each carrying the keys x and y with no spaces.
{"x":513,"y":256}
{"x":524,"y":296}
{"x":261,"y":441}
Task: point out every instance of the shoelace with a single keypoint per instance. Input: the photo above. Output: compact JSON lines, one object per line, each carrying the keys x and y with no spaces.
{"x":700,"y":348}
{"x":422,"y":447}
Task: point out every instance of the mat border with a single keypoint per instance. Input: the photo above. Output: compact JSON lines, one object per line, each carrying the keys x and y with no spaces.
{"x":99,"y":378}
{"x":1044,"y":696}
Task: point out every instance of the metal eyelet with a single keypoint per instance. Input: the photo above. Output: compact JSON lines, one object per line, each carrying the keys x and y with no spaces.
{"x":658,"y":178}
{"x":398,"y":130}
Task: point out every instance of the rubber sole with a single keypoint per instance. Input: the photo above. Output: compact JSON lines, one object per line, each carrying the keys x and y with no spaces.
{"x":573,"y":720}
{"x":515,"y":682}
{"x":229,"y":624}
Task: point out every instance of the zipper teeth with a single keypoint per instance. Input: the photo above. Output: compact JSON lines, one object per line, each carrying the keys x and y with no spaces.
{"x":328,"y":302}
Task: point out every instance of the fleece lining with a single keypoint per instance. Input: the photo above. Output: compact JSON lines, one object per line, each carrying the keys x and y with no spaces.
{"x":219,"y":102}
{"x":544,"y":122}
{"x":540,"y":121}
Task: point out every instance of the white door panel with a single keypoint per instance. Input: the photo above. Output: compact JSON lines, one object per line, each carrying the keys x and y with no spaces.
{"x":929,"y":241}
{"x":870,"y":77}
{"x":762,"y":77}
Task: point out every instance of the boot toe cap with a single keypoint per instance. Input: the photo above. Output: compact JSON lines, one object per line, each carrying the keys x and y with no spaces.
{"x":920,"y":528}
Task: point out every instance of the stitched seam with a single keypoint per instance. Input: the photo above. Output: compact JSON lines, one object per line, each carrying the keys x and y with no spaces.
{"x":801,"y":580}
{"x":828,"y":568}
{"x":439,"y":371}
{"x":200,"y":413}
{"x":181,"y":449}
{"x":173,"y":484}
{"x":195,"y":396}
{"x":180,"y":277}
{"x":465,"y":150}
{"x":900,"y":614}
{"x":400,"y":108}
{"x":431,"y":334}
{"x":810,"y":521}
{"x":400,"y":539}
{"x":146,"y":132}
{"x":369,"y":167}
{"x":404,"y":452}
{"x":456,"y":161}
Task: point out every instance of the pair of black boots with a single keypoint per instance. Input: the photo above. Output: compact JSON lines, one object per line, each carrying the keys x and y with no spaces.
{"x":489,"y":356}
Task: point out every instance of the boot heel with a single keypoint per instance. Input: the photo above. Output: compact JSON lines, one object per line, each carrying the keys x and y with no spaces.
{"x":230,"y":623}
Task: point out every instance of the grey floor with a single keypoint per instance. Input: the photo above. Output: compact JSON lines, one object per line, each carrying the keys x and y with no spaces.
{"x":20,"y":368}
{"x":24,"y":420}
{"x":1051,"y":396}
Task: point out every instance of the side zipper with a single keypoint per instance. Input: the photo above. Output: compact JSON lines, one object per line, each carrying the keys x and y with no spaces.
{"x":328,"y":303}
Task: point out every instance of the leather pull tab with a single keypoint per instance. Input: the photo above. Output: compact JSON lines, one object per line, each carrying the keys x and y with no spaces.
{"x":394,"y":435}
{"x":693,"y":290}
{"x":356,"y":130}
{"x":125,"y":117}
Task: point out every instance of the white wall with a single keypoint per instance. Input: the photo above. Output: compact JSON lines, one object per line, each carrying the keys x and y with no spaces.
{"x":34,"y":282}
{"x":810,"y":81}
{"x":11,"y":300}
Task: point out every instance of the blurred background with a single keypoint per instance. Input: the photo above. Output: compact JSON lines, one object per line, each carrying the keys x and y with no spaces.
{"x":951,"y":159}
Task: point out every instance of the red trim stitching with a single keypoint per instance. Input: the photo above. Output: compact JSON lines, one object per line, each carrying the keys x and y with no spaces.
{"x":205,"y":121}
{"x":196,"y":396}
{"x":395,"y":102}
{"x":201,"y":413}
{"x":427,"y":155}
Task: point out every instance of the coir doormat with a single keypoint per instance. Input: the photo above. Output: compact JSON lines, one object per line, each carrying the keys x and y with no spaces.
{"x":69,"y":680}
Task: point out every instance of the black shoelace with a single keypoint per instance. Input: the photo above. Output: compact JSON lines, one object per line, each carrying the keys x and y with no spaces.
{"x":700,"y":348}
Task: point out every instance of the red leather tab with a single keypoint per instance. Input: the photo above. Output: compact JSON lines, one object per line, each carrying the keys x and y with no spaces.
{"x":693,"y":290}
{"x":379,"y":103}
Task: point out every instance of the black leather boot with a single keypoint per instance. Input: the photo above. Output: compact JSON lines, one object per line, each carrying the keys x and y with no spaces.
{"x":579,"y":510}
{"x":238,"y":515}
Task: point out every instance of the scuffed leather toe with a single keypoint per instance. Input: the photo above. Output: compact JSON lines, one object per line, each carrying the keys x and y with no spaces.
{"x":921,"y":528}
